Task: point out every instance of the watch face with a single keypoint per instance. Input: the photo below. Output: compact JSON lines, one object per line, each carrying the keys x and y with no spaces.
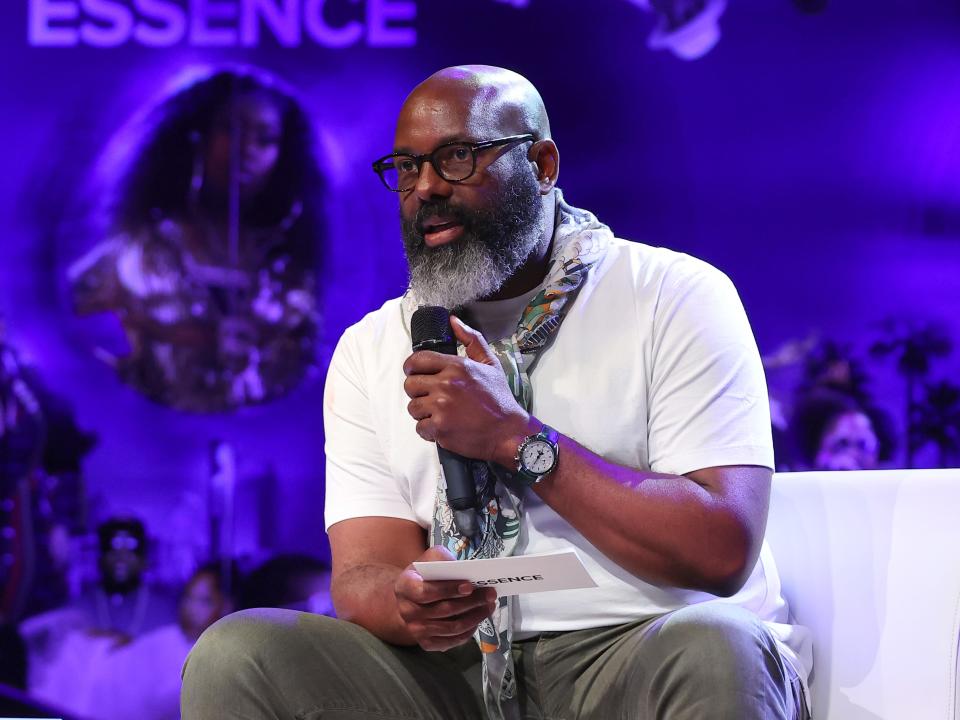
{"x":537,"y":457}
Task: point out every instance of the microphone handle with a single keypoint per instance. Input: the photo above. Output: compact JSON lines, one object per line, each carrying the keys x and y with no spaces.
{"x":461,"y":490}
{"x":430,"y":330}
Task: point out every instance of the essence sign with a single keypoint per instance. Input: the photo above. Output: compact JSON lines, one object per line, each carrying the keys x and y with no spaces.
{"x":221,"y":23}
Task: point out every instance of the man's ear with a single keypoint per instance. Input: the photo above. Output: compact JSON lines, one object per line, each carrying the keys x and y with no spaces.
{"x":546,"y":161}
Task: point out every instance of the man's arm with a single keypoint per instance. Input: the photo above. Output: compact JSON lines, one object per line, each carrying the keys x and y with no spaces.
{"x":368,"y":556}
{"x":373,"y":537}
{"x":375,"y":586}
{"x":701,"y":531}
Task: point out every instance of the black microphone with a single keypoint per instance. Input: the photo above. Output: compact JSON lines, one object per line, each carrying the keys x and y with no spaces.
{"x":430,"y":330}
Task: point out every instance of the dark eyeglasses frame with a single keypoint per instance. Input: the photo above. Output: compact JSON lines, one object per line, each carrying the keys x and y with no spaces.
{"x":381,"y":164}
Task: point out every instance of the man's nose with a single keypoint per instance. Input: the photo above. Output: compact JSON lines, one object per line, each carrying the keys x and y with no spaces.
{"x":430,"y":185}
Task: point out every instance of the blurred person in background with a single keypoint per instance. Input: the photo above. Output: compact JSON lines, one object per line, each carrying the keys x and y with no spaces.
{"x":126,"y":603}
{"x":293,"y":581}
{"x":834,"y":431}
{"x":42,"y":498}
{"x":69,"y":647}
{"x":142,"y":679}
{"x":207,"y":597}
{"x":109,"y":676}
{"x":835,"y":423}
{"x":14,"y":702}
{"x":214,"y":230}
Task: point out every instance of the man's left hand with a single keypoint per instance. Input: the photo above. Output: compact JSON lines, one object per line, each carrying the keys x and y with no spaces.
{"x":464,"y":403}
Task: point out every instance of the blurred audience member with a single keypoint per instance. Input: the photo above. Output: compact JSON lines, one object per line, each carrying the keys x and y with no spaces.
{"x":41,"y":496}
{"x":125,"y":604}
{"x":207,"y":597}
{"x":835,"y":423}
{"x":114,"y":676}
{"x":142,"y":679}
{"x":294,"y":581}
{"x":68,"y":647}
{"x":833,"y":431}
{"x":786,"y":357}
{"x":22,"y":436}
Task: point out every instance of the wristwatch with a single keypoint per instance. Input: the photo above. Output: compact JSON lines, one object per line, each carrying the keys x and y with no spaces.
{"x":537,"y":456}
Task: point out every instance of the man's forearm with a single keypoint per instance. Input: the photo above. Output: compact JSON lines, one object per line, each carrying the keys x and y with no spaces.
{"x":669,"y":530}
{"x":364,"y":595}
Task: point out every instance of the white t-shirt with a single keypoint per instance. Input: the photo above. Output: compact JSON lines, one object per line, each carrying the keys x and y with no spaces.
{"x":655,"y":367}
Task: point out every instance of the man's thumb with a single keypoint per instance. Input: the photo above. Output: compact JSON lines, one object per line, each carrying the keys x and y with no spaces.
{"x":437,"y":552}
{"x":476,"y":347}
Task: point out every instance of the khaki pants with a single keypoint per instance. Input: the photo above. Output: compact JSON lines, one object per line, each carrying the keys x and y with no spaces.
{"x":711,"y":661}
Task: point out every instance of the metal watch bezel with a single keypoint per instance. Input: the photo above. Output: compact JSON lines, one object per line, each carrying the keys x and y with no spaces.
{"x":547,"y":436}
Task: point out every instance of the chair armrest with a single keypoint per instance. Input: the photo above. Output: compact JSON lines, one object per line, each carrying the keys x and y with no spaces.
{"x":870,"y":562}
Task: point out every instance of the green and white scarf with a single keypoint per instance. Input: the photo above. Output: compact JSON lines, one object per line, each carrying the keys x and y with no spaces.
{"x":579,"y":241}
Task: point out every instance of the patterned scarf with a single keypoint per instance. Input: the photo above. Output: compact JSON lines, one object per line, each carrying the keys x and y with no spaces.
{"x":579,"y":241}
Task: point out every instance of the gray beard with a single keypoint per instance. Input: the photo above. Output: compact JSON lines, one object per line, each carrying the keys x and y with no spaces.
{"x":494,"y":244}
{"x":464,"y":272}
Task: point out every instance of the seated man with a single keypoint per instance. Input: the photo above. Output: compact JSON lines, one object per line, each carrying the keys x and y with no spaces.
{"x":634,"y":372}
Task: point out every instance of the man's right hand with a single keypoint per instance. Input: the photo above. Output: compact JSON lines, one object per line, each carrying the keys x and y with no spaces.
{"x":441,"y":614}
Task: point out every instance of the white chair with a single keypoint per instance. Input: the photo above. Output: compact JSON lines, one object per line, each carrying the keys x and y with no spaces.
{"x":870,"y":562}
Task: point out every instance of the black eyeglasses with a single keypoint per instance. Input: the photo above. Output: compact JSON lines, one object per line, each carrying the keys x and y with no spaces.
{"x":454,"y":162}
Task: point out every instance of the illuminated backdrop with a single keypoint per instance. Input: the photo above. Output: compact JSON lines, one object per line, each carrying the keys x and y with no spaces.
{"x":813,"y":157}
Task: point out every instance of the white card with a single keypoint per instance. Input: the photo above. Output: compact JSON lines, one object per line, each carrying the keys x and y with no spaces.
{"x":514,"y":575}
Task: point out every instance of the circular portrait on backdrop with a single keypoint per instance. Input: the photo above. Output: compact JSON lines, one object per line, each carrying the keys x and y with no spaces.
{"x":210,"y":236}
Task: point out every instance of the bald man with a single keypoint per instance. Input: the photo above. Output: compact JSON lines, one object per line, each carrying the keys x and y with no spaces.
{"x":610,"y":400}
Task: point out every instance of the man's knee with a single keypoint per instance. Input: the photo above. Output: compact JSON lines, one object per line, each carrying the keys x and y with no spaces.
{"x":238,"y":640}
{"x":724,"y":648}
{"x":717,"y":634}
{"x":715,"y":660}
{"x":261,"y":639}
{"x":248,"y":658}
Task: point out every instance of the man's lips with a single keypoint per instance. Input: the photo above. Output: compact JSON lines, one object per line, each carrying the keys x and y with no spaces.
{"x":438,"y":231}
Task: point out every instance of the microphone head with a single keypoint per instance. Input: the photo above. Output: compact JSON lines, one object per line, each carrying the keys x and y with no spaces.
{"x":430,"y":330}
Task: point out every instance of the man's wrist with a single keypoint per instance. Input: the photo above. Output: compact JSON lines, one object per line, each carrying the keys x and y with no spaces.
{"x":506,"y":452}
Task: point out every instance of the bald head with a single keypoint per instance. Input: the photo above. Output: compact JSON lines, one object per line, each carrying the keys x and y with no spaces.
{"x":484,"y":233}
{"x":492,"y":102}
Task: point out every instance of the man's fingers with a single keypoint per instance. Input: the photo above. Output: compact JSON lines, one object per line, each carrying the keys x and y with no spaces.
{"x":447,"y":611}
{"x":441,"y":614}
{"x":414,"y":588}
{"x":446,"y":643}
{"x":425,"y":429}
{"x":411,"y":586}
{"x":446,"y":617}
{"x":450,"y":632}
{"x":417,"y":409}
{"x":476,"y":347}
{"x":433,"y":617}
{"x":428,"y":362}
{"x":451,"y":627}
{"x":416,"y":386}
{"x":460,"y":607}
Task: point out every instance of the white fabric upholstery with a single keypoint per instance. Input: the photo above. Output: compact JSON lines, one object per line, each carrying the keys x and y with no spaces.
{"x":870,"y":562}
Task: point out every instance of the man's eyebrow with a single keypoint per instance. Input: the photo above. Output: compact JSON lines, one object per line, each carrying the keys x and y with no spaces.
{"x":405,"y":150}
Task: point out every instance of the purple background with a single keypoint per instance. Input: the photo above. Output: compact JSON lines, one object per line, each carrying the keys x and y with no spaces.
{"x":814,"y":158}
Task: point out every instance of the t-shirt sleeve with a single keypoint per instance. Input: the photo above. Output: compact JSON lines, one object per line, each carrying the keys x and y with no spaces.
{"x":708,"y":403}
{"x":359,"y":481}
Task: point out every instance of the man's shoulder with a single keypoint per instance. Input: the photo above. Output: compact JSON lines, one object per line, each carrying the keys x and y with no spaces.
{"x":660,"y":266}
{"x":375,"y":338}
{"x":386,"y":320}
